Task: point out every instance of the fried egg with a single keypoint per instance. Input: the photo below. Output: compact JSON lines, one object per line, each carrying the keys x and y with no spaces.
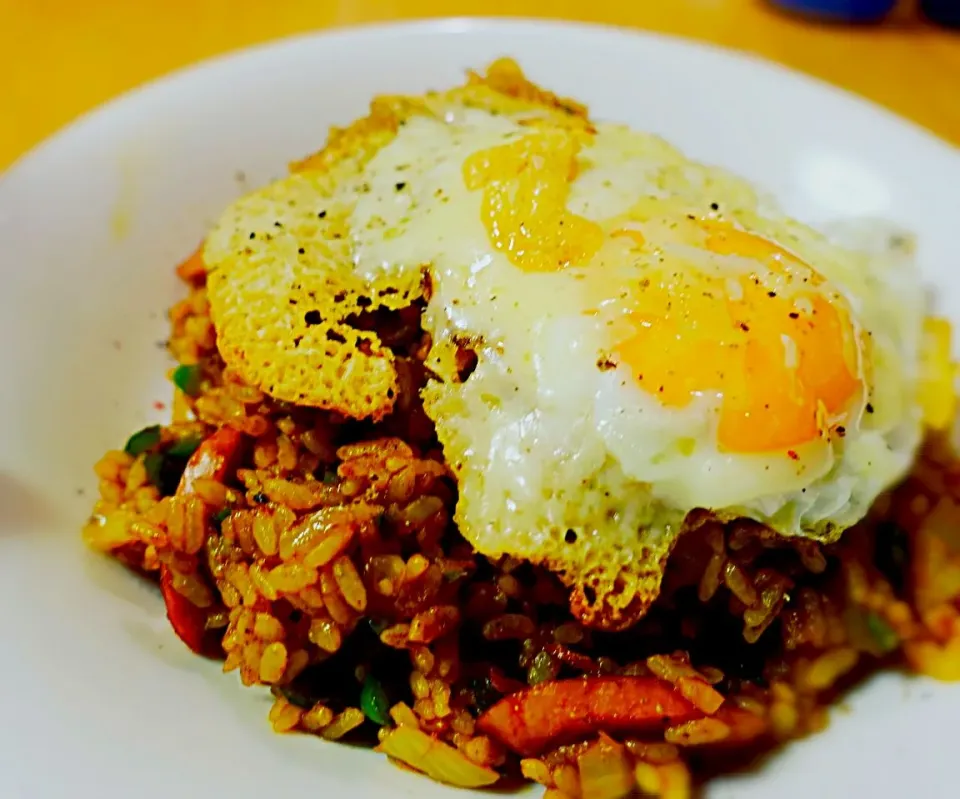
{"x":650,"y":336}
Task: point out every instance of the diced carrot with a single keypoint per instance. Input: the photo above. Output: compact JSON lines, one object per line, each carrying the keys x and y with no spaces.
{"x":212,"y":460}
{"x":533,"y":719}
{"x":193,"y":267}
{"x":188,"y":621}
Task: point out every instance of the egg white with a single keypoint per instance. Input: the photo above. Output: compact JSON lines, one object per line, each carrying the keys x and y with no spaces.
{"x":546,"y":442}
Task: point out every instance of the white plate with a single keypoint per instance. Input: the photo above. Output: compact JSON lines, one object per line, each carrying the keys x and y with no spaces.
{"x":97,"y":695}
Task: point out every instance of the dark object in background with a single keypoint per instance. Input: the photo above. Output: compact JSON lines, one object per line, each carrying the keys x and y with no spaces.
{"x":942,"y":12}
{"x":845,"y":10}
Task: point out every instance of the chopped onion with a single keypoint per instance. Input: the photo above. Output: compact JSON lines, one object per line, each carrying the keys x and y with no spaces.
{"x":111,"y":531}
{"x":605,"y":772}
{"x":435,"y":758}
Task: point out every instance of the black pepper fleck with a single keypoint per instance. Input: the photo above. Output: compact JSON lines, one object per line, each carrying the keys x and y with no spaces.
{"x":400,"y":186}
{"x":869,"y":407}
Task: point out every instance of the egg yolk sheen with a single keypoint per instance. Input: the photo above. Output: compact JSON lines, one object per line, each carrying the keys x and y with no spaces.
{"x":525,"y":186}
{"x":774,"y":344}
{"x":763,"y":332}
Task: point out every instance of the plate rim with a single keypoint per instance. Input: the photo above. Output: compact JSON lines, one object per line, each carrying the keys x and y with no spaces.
{"x":465,"y":25}
{"x":142,"y":98}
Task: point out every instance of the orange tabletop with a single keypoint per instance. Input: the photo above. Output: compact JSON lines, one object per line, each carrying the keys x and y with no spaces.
{"x":63,"y":57}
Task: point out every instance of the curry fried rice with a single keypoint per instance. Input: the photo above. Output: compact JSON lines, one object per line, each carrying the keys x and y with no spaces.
{"x":316,"y":555}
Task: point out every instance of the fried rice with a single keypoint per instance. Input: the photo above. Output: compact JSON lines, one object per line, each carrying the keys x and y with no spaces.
{"x":316,"y":556}
{"x":322,"y":563}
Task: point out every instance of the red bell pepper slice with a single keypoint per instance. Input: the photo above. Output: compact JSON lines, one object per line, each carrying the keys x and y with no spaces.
{"x":213,"y":459}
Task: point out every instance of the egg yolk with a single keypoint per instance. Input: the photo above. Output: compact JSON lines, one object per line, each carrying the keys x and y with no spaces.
{"x":525,"y":186}
{"x":783,"y":357}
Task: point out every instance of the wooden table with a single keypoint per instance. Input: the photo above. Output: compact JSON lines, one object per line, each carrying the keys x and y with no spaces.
{"x":63,"y":57}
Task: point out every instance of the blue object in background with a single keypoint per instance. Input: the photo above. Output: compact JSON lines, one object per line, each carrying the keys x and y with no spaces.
{"x":844,"y":10}
{"x":943,"y":12}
